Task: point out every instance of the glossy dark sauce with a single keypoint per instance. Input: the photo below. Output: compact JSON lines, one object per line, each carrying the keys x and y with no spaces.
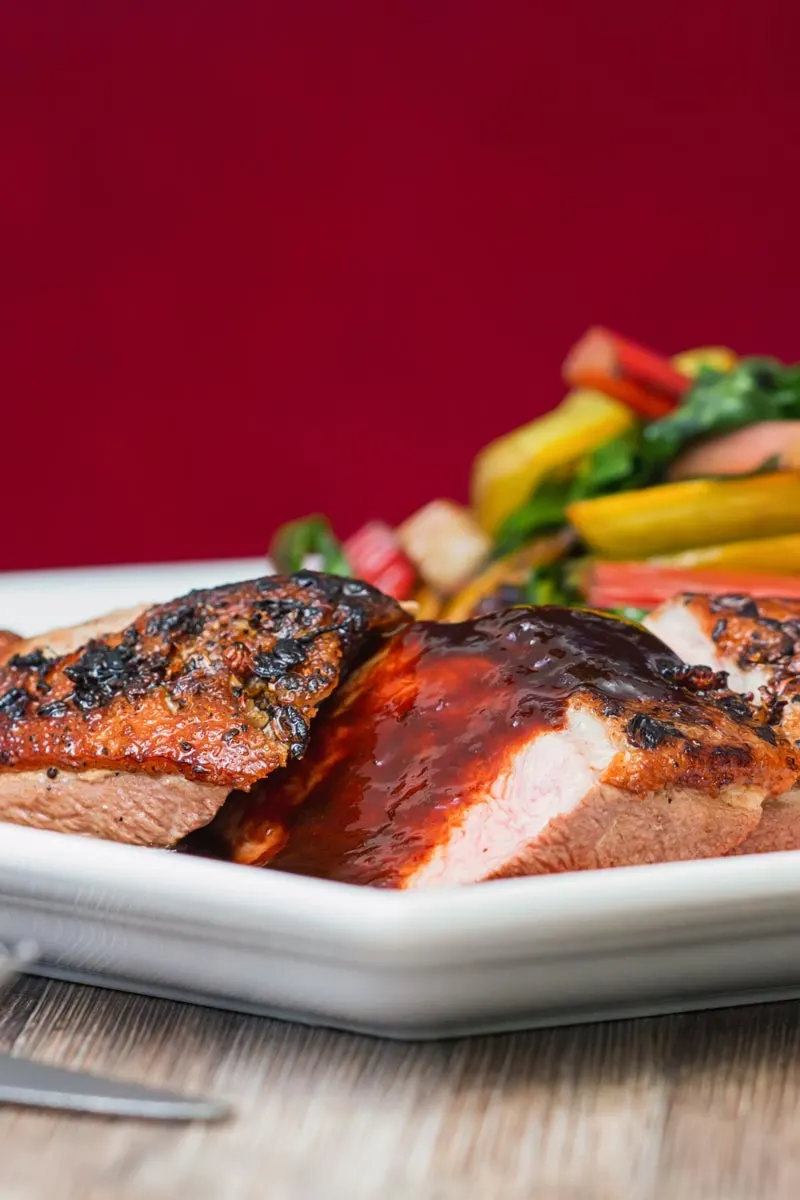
{"x":443,"y":709}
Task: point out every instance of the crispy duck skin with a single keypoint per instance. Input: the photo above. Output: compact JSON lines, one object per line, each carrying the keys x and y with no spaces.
{"x":757,"y":643}
{"x":218,"y":685}
{"x":527,"y":742}
{"x":212,"y":691}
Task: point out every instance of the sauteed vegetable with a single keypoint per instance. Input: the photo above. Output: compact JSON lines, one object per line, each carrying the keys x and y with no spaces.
{"x":652,"y":473}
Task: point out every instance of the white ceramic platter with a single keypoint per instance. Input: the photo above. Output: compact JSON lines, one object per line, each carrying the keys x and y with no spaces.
{"x":512,"y":954}
{"x":33,"y":601}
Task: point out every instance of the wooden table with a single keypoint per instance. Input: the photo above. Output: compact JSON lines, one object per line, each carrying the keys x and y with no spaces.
{"x":689,"y":1107}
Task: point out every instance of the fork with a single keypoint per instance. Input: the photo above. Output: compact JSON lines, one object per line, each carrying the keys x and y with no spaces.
{"x":23,"y":1081}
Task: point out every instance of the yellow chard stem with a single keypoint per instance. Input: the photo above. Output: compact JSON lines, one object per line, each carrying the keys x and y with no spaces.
{"x":680,"y":516}
{"x":767,"y":555}
{"x":506,"y":472}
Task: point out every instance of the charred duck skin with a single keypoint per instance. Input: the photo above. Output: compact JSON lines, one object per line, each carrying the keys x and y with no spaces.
{"x":757,"y":643}
{"x":171,"y":711}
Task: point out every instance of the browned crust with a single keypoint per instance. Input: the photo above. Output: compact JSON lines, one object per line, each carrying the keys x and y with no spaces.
{"x":751,"y":632}
{"x":763,"y":633}
{"x":696,"y":746}
{"x":218,"y":686}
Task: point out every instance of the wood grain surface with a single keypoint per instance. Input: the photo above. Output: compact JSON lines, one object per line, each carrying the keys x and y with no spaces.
{"x":697,"y":1107}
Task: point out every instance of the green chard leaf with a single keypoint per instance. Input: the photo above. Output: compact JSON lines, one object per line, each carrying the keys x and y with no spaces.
{"x":553,"y":583}
{"x":309,"y":535}
{"x":542,"y":512}
{"x":757,"y":389}
{"x":615,"y":466}
{"x":612,"y":467}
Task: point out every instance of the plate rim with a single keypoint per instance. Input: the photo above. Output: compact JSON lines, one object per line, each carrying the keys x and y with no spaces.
{"x":549,"y":915}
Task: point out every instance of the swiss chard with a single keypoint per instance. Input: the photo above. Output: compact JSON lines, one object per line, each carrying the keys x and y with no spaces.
{"x":553,"y":583}
{"x":309,"y":535}
{"x":758,"y":389}
{"x":542,"y":512}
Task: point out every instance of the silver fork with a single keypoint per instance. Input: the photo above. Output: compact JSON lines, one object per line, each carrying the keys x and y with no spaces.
{"x":38,"y":1085}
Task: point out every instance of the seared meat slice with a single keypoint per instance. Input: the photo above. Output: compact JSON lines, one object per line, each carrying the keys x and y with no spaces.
{"x":778,"y":829}
{"x":757,"y":642}
{"x":139,"y":733}
{"x":519,"y":743}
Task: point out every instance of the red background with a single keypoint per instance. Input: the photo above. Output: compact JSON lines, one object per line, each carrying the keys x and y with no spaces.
{"x":265,"y":258}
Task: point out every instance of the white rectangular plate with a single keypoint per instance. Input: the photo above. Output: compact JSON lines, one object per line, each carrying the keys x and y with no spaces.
{"x":34,"y":601}
{"x":513,"y":954}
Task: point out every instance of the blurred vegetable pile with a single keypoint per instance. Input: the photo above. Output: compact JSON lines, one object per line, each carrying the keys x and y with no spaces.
{"x":652,"y":476}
